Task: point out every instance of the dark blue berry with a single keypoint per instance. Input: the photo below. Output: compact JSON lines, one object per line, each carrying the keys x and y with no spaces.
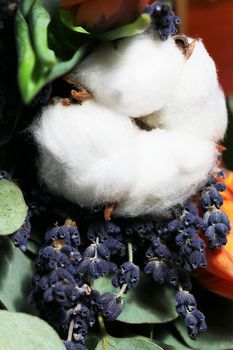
{"x":111,"y":305}
{"x":127,"y":274}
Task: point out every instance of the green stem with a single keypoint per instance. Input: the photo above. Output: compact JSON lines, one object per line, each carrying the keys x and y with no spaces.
{"x":102,"y":326}
{"x":137,"y":27}
{"x":151,"y":331}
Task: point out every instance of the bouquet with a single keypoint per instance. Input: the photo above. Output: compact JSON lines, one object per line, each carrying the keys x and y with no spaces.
{"x":116,"y":206}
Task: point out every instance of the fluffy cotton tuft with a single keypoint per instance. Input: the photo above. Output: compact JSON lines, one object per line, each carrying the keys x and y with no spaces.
{"x":197,"y":104}
{"x":172,"y":166}
{"x":86,"y":152}
{"x":92,"y":155}
{"x":134,"y":77}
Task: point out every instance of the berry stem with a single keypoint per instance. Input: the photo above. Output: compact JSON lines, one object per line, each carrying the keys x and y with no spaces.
{"x":122,"y":291}
{"x":130,"y":252}
{"x":70,"y":331}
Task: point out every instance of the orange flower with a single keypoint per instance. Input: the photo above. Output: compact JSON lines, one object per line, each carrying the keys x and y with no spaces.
{"x":218,"y":276}
{"x":102,"y":15}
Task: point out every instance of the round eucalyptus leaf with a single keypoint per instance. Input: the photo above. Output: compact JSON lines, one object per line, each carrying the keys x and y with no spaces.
{"x":22,"y":331}
{"x":161,"y":344}
{"x":110,"y":343}
{"x":16,"y":270}
{"x":147,"y":303}
{"x":164,"y":336}
{"x":33,"y":247}
{"x":13,"y":209}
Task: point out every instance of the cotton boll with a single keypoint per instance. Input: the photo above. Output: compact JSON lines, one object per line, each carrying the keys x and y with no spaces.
{"x":86,"y":152}
{"x":172,"y":166}
{"x":197,"y":104}
{"x":92,"y":155}
{"x":134,"y":77}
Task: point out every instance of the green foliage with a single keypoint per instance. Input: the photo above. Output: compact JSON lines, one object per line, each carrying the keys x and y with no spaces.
{"x":166,"y":336}
{"x":138,"y":343}
{"x":134,"y":28}
{"x":25,"y":7}
{"x":16,"y":270}
{"x":40,"y":20}
{"x":13,"y":209}
{"x":40,"y":37}
{"x":33,"y":247}
{"x":148,"y":303}
{"x":137,"y":27}
{"x":21,"y":331}
{"x":37,"y":63}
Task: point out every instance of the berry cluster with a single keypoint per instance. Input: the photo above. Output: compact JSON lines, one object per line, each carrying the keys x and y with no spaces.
{"x":164,"y":20}
{"x":108,"y":241}
{"x":170,"y":250}
{"x":217,"y":224}
{"x":186,"y":307}
{"x":61,"y":294}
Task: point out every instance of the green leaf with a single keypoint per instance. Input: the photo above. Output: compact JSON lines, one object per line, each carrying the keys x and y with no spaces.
{"x":33,"y":247}
{"x":40,"y":20}
{"x":51,"y":6}
{"x":16,"y":271}
{"x":219,"y":316}
{"x":148,"y":303}
{"x":65,"y":66}
{"x":25,"y":7}
{"x":13,"y":209}
{"x":35,"y":70}
{"x":26,"y":57}
{"x":134,"y":28}
{"x":68,"y":19}
{"x":165,"y":337}
{"x":137,"y":27}
{"x":26,"y":332}
{"x":160,"y":344}
{"x":140,"y":343}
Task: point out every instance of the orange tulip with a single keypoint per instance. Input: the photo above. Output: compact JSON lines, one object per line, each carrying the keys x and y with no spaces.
{"x":102,"y":15}
{"x":218,"y":276}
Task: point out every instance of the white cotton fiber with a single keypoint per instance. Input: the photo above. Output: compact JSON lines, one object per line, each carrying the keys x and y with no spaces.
{"x":172,"y":166}
{"x":86,"y":152}
{"x":134,"y":77}
{"x":197,"y":104}
{"x":92,"y":155}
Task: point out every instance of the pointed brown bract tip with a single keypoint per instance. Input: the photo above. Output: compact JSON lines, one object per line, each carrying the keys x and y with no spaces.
{"x":190,"y":49}
{"x":221,"y":148}
{"x":108,"y":211}
{"x":183,"y":44}
{"x":80,"y":96}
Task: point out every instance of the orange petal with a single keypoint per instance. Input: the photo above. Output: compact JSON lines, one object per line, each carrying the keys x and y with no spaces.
{"x":216,"y":284}
{"x":103,"y":15}
{"x":68,"y":4}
